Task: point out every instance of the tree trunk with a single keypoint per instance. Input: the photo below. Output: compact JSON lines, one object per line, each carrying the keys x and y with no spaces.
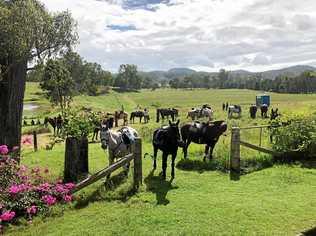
{"x":12,"y":88}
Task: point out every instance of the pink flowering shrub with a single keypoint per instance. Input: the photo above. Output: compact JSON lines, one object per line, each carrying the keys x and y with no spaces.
{"x":25,"y":192}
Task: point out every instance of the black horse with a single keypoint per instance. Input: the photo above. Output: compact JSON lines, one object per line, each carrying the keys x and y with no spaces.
{"x":56,"y":123}
{"x":253,"y":111}
{"x":167,"y":139}
{"x":167,"y":112}
{"x":202,"y":133}
{"x":264,"y":110}
{"x":140,"y":114}
{"x":274,"y":114}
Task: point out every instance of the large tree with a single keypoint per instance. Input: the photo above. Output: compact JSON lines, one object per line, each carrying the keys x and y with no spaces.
{"x":29,"y":34}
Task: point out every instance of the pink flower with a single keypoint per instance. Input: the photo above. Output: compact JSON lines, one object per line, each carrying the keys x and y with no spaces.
{"x":70,"y":186}
{"x":4,"y":150}
{"x":49,"y":200}
{"x":31,"y":210}
{"x":14,"y":189}
{"x":15,"y":148}
{"x":36,"y":170}
{"x":23,"y":168}
{"x":67,"y":198}
{"x":7,"y":215}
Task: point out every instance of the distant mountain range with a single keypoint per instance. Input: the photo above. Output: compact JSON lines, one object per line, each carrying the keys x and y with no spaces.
{"x":270,"y":74}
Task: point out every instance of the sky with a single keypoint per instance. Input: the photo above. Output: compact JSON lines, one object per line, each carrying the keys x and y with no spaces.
{"x":204,"y":35}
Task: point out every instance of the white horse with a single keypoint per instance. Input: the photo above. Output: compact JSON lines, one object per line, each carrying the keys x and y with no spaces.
{"x":234,"y":109}
{"x":200,"y":113}
{"x":118,"y":142}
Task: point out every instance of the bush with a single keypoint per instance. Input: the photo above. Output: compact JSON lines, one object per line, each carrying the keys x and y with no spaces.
{"x":295,"y":134}
{"x":25,"y":192}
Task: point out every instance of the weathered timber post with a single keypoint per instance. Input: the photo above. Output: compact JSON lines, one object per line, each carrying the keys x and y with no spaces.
{"x":235,"y":154}
{"x":138,"y":172}
{"x":76,"y":159}
{"x":35,"y":140}
{"x":260,"y":138}
{"x":116,"y":118}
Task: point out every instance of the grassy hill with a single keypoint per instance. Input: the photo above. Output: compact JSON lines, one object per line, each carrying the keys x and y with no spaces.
{"x":279,"y":200}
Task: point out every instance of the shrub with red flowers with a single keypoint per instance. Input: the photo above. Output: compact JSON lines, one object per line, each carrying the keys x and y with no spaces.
{"x":26,"y":192}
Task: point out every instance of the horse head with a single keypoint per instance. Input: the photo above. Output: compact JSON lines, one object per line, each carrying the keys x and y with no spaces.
{"x":104,"y":136}
{"x":174,"y":132}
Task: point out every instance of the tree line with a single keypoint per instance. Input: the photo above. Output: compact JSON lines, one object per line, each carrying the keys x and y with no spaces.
{"x":303,"y":83}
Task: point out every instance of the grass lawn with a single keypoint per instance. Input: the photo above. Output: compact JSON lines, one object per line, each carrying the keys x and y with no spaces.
{"x":279,"y":200}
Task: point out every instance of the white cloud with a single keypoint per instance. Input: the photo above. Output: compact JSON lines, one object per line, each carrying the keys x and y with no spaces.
{"x":208,"y":34}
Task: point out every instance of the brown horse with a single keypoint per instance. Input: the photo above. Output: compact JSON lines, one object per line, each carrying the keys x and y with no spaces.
{"x":121,"y":115}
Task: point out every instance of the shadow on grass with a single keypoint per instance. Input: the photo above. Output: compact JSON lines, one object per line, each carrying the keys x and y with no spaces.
{"x":160,"y":187}
{"x":222,"y":164}
{"x":310,"y":232}
{"x":200,"y":166}
{"x":106,"y":191}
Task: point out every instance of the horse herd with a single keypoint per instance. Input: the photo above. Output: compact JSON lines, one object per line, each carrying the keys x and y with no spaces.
{"x":167,"y":139}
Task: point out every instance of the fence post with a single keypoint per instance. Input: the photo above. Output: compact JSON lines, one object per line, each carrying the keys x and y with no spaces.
{"x":138,"y":172}
{"x":260,"y":138}
{"x":35,"y":140}
{"x":116,"y":118}
{"x":235,"y":154}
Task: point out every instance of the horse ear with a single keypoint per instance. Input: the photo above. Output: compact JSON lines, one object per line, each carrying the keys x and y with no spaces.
{"x":178,"y":121}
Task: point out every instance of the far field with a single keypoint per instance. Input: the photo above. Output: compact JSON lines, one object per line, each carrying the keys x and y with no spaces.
{"x":279,"y":200}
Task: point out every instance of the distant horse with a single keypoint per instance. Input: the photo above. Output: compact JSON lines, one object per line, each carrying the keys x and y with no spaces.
{"x":264,"y":110}
{"x":56,"y":123}
{"x":118,"y":142}
{"x":109,"y":122}
{"x":166,"y":112}
{"x":202,"y":133}
{"x":234,"y":109}
{"x":274,"y":114}
{"x":141,"y":114}
{"x":167,"y":139}
{"x":197,"y":113}
{"x":121,"y":115}
{"x":253,"y":111}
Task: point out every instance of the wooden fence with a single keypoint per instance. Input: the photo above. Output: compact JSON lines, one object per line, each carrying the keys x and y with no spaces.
{"x":236,"y":142}
{"x":135,"y":155}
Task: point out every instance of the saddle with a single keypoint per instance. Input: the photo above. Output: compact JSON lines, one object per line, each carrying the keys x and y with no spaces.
{"x":199,"y":129}
{"x":159,"y":136}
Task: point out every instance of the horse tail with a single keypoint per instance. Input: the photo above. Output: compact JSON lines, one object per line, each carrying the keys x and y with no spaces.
{"x":158,"y":111}
{"x":131,"y":116}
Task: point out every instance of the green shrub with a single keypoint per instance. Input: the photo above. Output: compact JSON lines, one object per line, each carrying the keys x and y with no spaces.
{"x":296,"y":134}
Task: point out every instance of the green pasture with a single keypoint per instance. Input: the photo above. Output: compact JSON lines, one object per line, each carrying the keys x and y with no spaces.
{"x":268,"y":200}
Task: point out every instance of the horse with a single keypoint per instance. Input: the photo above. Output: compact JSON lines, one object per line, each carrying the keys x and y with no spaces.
{"x":166,"y":112}
{"x":121,"y":115}
{"x":264,"y":110}
{"x":253,"y":111}
{"x":202,"y":133}
{"x":234,"y":109}
{"x":197,"y":113}
{"x":118,"y":142}
{"x":274,"y":114}
{"x":167,"y":139}
{"x":56,"y":123}
{"x":140,"y":114}
{"x":109,"y":122}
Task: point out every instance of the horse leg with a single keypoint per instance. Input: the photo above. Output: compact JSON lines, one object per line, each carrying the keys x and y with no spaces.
{"x":207,"y":148}
{"x":185,"y":148}
{"x":174,"y":155}
{"x":155,"y":157}
{"x":164,"y":164}
{"x":212,"y":145}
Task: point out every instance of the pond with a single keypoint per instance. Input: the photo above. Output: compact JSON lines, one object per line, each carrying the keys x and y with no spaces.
{"x":30,"y":107}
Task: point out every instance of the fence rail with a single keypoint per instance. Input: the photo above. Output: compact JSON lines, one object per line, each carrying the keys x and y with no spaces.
{"x":236,"y":142}
{"x":138,"y":175}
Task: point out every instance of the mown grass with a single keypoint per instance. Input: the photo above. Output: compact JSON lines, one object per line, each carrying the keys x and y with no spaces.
{"x":279,"y":200}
